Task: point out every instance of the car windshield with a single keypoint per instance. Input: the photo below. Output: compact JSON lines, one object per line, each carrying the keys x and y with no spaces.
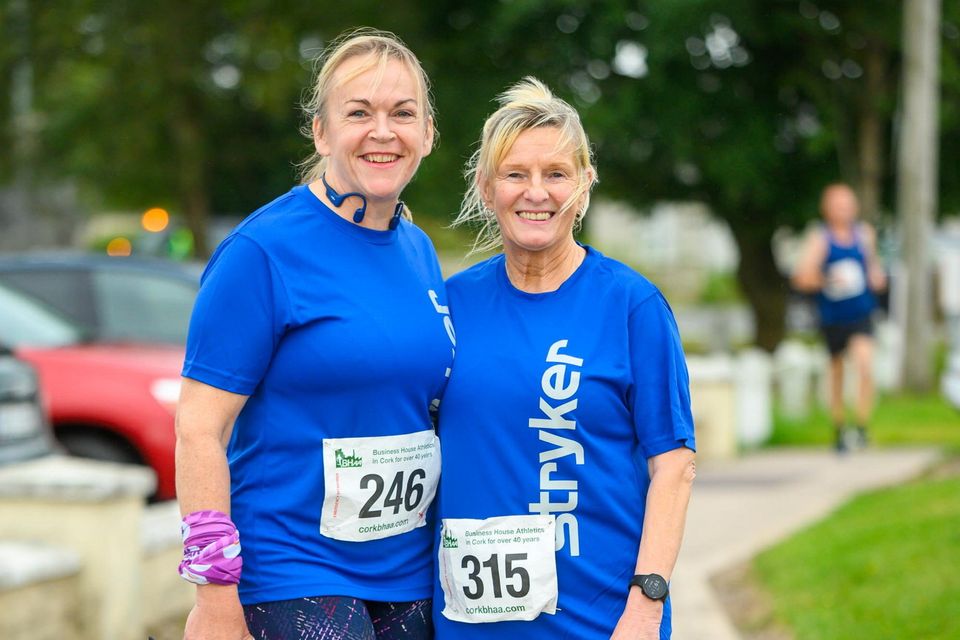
{"x":143,"y":306}
{"x":27,"y":323}
{"x":114,"y":301}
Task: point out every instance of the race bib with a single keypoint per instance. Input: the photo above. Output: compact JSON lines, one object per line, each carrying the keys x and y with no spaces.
{"x":845,"y":280}
{"x":498,"y":569}
{"x":378,"y":487}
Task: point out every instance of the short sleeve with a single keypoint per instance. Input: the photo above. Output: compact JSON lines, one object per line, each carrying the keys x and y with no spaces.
{"x":240,"y":314}
{"x":660,"y":395}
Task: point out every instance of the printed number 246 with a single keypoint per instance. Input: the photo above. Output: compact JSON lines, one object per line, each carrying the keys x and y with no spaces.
{"x":408,"y":496}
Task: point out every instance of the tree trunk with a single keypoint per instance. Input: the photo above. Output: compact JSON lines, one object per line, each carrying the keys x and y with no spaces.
{"x":180,"y":48}
{"x":846,"y":143}
{"x":871,"y":155}
{"x":762,"y":284}
{"x":192,"y":179}
{"x":917,"y":180}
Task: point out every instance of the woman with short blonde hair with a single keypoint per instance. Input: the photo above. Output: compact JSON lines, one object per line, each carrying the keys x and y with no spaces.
{"x":569,"y":398}
{"x":526,"y":105}
{"x":318,"y":349}
{"x":376,"y":49}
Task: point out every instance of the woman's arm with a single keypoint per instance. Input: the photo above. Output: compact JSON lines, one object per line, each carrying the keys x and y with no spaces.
{"x":205,"y":418}
{"x":808,"y":275}
{"x":671,"y":480}
{"x":876,"y":277}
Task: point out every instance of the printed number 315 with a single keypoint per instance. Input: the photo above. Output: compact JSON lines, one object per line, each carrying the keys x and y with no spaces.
{"x":493,"y":564}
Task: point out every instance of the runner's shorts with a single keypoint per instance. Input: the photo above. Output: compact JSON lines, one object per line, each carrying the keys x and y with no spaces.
{"x":838,"y":335}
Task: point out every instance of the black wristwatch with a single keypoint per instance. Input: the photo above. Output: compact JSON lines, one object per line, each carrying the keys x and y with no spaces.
{"x":651,"y":585}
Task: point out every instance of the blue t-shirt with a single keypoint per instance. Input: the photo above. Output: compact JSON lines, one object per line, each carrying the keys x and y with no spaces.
{"x":334,"y":331}
{"x":497,"y":422}
{"x":854,"y":301}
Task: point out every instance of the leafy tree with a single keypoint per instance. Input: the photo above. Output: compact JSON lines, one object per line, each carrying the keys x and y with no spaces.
{"x":748,"y":105}
{"x":165,"y":103}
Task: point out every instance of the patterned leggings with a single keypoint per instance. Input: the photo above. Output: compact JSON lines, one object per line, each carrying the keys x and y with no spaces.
{"x":339,"y":618}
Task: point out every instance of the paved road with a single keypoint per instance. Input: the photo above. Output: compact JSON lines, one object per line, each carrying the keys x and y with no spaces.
{"x":742,"y":506}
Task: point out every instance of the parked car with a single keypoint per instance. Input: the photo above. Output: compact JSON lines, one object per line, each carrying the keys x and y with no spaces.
{"x":24,"y":430}
{"x":112,"y":298}
{"x":107,"y":399}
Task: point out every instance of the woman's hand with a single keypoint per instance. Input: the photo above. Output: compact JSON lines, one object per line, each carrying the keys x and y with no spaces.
{"x":217,"y":615}
{"x":640,"y":619}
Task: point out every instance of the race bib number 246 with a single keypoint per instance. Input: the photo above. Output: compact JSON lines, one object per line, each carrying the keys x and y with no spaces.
{"x":377,"y":487}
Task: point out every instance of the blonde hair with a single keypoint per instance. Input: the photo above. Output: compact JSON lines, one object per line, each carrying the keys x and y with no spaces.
{"x":528,"y":104}
{"x":381,"y":46}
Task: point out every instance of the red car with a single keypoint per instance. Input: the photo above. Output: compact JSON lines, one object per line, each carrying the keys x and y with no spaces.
{"x":113,"y":402}
{"x":111,"y":399}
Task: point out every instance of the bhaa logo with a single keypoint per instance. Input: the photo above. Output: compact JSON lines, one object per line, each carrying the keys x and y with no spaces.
{"x":343,"y":460}
{"x":449,"y":541}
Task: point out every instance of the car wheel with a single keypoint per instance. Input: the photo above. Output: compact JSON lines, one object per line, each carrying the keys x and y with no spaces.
{"x":98,"y":446}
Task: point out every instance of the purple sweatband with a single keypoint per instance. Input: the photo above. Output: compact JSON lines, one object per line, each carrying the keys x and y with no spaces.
{"x":211,"y":549}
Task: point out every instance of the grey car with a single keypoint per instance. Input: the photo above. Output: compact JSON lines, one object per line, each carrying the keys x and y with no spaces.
{"x":24,"y":430}
{"x":115,"y":299}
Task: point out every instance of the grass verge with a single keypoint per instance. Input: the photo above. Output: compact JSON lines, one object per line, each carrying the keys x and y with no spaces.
{"x":898,"y":420}
{"x":883,"y":566}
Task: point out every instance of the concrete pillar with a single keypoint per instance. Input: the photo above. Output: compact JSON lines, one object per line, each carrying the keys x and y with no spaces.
{"x":95,"y":510}
{"x":38,"y":592}
{"x":713,"y":399}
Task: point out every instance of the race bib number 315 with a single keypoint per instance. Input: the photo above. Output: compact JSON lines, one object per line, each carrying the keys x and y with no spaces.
{"x":498,"y":569}
{"x":378,"y":487}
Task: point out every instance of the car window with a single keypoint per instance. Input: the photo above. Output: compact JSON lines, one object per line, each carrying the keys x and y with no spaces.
{"x":26,"y":322}
{"x":66,"y":291}
{"x":141,"y":306}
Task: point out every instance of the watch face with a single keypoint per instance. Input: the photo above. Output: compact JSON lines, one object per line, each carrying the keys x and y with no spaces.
{"x":654,"y":587}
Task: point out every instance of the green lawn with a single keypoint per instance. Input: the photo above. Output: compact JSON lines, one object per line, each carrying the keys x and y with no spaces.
{"x":885,"y":566}
{"x":901,"y":419}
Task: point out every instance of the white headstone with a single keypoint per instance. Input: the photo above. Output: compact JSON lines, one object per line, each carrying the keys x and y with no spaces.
{"x":754,"y":376}
{"x":794,"y":366}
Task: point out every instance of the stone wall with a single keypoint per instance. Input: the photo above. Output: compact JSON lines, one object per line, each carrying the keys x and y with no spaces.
{"x":81,"y":554}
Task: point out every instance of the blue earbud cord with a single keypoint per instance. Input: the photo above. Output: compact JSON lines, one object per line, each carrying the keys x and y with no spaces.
{"x":337,"y":200}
